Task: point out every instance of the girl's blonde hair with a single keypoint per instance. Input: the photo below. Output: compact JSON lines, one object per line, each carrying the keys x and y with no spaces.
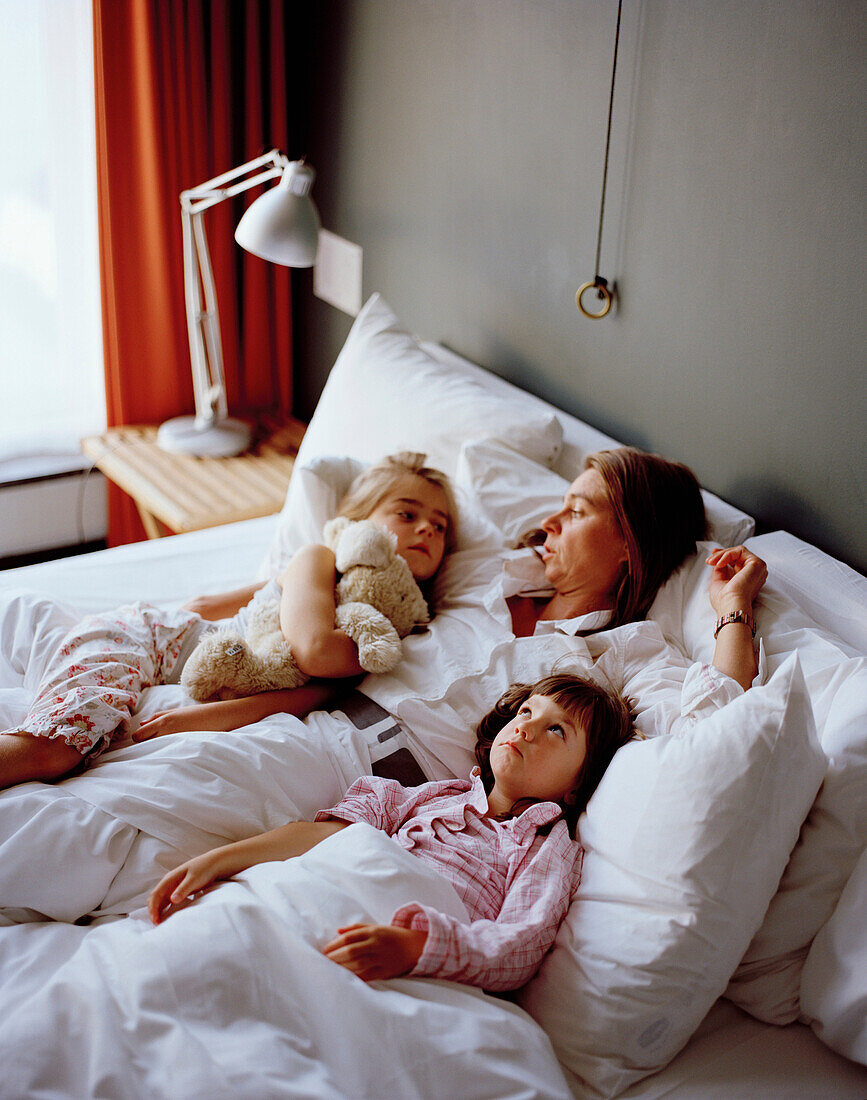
{"x":373,"y":485}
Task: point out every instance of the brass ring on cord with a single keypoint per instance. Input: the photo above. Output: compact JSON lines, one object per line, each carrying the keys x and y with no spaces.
{"x":604,"y":292}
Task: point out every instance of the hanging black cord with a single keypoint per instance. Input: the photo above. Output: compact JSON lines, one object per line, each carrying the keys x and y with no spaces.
{"x":596,"y":278}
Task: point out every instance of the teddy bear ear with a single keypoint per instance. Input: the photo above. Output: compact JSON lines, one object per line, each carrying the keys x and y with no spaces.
{"x":333,"y":529}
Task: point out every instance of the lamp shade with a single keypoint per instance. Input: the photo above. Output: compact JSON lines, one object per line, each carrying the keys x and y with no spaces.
{"x":282,"y":225}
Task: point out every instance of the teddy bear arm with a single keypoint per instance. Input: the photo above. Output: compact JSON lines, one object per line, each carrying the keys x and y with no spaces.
{"x":378,"y":643}
{"x":216,"y":667}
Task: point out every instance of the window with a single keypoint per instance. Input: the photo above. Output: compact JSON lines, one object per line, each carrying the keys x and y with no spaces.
{"x":51,"y":372}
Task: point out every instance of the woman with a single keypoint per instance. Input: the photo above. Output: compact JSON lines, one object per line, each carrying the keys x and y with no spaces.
{"x":627,"y":522}
{"x":96,"y":843}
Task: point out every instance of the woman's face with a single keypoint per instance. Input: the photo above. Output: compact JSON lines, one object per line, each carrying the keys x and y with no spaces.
{"x":584,"y":551}
{"x":417,"y":514}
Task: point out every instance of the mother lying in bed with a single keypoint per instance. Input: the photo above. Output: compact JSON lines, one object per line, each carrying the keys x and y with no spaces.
{"x":96,"y":843}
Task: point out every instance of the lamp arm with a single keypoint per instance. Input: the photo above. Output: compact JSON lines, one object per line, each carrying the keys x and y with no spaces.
{"x":195,"y":311}
{"x":203,"y":322}
{"x":215,"y":191}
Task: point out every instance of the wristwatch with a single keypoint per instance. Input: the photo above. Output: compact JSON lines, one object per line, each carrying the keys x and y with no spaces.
{"x":735,"y":617}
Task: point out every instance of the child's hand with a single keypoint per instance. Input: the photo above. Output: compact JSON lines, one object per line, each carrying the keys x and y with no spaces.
{"x":165,"y":722}
{"x":199,"y":716}
{"x":185,"y":880}
{"x":376,"y":951}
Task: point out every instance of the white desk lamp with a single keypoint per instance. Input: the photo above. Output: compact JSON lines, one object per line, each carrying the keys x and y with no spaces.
{"x":282,"y":225}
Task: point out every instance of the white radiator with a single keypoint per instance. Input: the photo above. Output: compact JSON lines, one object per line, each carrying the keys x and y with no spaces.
{"x":57,"y":510}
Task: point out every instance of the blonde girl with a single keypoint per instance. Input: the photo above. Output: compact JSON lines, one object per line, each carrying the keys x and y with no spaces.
{"x":94,"y":682}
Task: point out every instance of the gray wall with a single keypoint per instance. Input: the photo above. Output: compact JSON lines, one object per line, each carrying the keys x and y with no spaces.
{"x":460,"y":142}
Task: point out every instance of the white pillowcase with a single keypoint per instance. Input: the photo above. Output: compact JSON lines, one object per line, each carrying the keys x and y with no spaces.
{"x":834,"y":982}
{"x":767,"y":983}
{"x":314,"y":493}
{"x":385,"y":393}
{"x":727,"y":524}
{"x":513,"y":493}
{"x":516,"y":494}
{"x":686,"y":839}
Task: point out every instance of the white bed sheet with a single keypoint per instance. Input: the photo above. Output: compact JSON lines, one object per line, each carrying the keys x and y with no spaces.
{"x":731,"y":1056}
{"x":164,"y":571}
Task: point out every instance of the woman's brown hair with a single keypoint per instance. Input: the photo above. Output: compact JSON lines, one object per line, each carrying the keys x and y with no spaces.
{"x":606,"y":719}
{"x":660,"y":512}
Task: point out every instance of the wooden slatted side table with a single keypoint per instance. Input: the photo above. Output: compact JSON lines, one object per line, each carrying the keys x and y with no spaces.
{"x":178,"y":493}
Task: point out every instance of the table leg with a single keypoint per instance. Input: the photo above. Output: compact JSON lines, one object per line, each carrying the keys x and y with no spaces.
{"x":153,"y":530}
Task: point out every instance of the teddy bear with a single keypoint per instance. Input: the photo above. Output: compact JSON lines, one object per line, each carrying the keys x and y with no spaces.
{"x":378,"y":604}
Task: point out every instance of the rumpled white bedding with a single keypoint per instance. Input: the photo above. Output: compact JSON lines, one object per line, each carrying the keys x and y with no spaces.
{"x":242,"y":786}
{"x":114,"y":830}
{"x":190,"y":1008}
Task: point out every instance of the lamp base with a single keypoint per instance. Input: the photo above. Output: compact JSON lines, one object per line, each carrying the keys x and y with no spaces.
{"x":218,"y":440}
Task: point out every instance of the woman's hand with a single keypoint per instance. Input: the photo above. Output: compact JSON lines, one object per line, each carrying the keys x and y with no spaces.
{"x":376,"y":951}
{"x":737,"y":579}
{"x":175,"y":887}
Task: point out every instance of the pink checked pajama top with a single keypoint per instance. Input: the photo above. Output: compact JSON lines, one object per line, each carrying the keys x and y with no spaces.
{"x":515,"y":883}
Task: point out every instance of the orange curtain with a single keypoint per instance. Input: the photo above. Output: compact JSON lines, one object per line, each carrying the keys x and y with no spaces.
{"x":185,"y":90}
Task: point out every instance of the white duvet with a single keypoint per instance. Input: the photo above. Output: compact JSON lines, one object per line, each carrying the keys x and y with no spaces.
{"x":143,"y":809}
{"x":231,"y":997}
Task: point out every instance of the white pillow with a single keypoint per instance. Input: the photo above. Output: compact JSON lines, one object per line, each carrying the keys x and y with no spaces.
{"x":832,"y":595}
{"x":510,"y":491}
{"x":516,"y":494}
{"x":315,"y":490}
{"x":686,"y":839}
{"x":767,"y":983}
{"x":834,"y":982}
{"x":727,"y":525}
{"x":314,"y":494}
{"x":385,"y":393}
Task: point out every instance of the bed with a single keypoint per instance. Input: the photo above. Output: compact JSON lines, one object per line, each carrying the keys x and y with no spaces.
{"x":716,"y":948}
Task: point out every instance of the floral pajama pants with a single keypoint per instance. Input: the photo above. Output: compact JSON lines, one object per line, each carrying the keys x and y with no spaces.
{"x":93,"y":684}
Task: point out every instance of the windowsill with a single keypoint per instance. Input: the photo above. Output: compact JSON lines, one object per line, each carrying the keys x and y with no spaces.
{"x":24,"y":469}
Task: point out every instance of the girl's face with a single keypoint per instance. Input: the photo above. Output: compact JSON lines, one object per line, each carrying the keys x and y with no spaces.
{"x":584,"y":550}
{"x":539,"y":754}
{"x":416,"y":512}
